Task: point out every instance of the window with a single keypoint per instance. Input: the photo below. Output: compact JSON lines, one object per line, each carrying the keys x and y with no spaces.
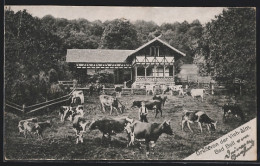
{"x":159,"y":72}
{"x":154,"y":51}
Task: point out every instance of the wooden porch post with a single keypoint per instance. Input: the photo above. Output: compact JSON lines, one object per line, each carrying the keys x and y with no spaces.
{"x":155,"y":72}
{"x":135,"y":73}
{"x":173,"y":71}
{"x":131,"y":74}
{"x":164,"y":71}
{"x":117,"y":76}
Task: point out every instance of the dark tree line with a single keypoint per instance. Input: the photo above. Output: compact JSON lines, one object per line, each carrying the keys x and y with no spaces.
{"x":35,"y":48}
{"x":227,"y":48}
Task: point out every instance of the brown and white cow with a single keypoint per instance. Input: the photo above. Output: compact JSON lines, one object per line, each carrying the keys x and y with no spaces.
{"x":79,"y":126}
{"x":150,"y":132}
{"x":67,"y":112}
{"x":111,"y":102}
{"x":21,"y":125}
{"x":36,"y":128}
{"x":197,"y":116}
{"x":150,"y":105}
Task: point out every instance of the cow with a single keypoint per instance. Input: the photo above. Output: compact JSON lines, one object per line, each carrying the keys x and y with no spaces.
{"x":77,"y":94}
{"x":149,"y":88}
{"x":67,"y":112}
{"x":163,"y":99}
{"x":75,"y":102}
{"x":21,"y":125}
{"x":150,"y":105}
{"x":197,"y":116}
{"x":111,"y":102}
{"x":36,"y":128}
{"x":95,"y":88}
{"x":79,"y":126}
{"x":109,"y":126}
{"x":149,"y":131}
{"x":197,"y":92}
{"x":234,"y":110}
{"x":41,"y":126}
{"x":63,"y":112}
{"x":174,"y":88}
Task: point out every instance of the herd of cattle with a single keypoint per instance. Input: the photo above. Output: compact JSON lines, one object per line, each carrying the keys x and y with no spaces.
{"x":136,"y":130}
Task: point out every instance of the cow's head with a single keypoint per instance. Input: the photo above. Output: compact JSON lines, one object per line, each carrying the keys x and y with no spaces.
{"x":166,"y":127}
{"x":128,"y":128}
{"x":136,"y":104}
{"x":213,"y":125}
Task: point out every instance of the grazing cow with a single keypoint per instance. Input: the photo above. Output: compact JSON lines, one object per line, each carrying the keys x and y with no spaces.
{"x":109,"y":126}
{"x":163,"y":99}
{"x":197,"y":116}
{"x":36,"y":128}
{"x":174,"y":88}
{"x":149,"y":88}
{"x":197,"y":92}
{"x":150,"y":105}
{"x":150,"y":131}
{"x":41,"y":126}
{"x":79,"y":126}
{"x":78,"y":94}
{"x":21,"y":125}
{"x":63,"y":112}
{"x":111,"y":102}
{"x":234,"y":110}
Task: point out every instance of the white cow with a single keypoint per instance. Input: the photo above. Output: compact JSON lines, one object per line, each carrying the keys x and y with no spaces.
{"x":149,"y":88}
{"x":78,"y":94}
{"x":197,"y":92}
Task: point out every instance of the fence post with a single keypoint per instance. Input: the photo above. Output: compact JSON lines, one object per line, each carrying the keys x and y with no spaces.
{"x":23,"y":108}
{"x":240,"y":89}
{"x":212,"y":89}
{"x":125,"y":84}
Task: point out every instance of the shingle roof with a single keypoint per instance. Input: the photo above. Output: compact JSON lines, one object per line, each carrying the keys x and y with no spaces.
{"x":107,"y":55}
{"x":97,"y":55}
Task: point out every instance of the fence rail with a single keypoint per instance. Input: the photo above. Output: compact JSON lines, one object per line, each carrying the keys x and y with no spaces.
{"x":35,"y":107}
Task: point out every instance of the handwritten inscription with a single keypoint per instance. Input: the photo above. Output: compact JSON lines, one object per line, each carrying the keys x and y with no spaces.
{"x":231,"y":144}
{"x":241,"y":150}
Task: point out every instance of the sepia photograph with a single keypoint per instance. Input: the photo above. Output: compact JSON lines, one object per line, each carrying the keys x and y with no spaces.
{"x":129,"y":83}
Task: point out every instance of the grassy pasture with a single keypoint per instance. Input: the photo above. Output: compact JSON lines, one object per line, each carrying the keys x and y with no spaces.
{"x":59,"y":141}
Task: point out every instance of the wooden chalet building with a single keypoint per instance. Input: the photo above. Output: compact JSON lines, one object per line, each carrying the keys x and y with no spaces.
{"x":152,"y":63}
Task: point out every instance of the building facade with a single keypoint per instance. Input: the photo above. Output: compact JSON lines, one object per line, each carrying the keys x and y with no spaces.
{"x":152,"y":63}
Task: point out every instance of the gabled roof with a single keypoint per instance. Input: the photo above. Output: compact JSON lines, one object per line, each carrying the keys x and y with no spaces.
{"x":108,"y":55}
{"x":97,"y":55}
{"x":163,"y":42}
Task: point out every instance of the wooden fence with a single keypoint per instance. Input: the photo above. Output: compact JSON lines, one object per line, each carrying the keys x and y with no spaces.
{"x":32,"y":108}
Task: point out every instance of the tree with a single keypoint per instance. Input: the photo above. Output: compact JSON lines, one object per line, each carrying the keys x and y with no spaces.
{"x":30,"y":50}
{"x":119,"y":34}
{"x":228,"y":45}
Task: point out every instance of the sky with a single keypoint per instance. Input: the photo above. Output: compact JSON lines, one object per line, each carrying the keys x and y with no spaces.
{"x":157,"y":14}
